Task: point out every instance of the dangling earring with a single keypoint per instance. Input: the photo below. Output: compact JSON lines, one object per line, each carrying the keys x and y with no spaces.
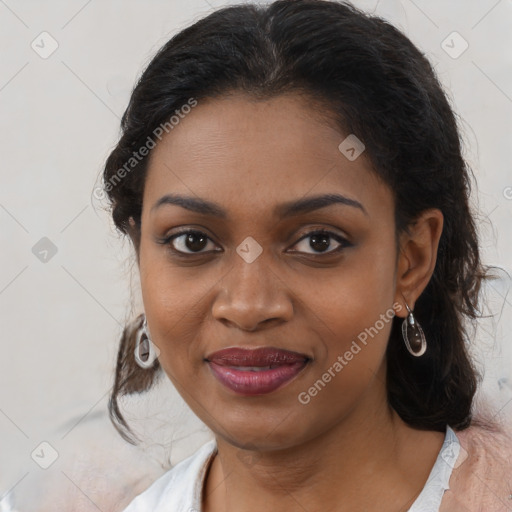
{"x":413,"y":335}
{"x":145,"y":350}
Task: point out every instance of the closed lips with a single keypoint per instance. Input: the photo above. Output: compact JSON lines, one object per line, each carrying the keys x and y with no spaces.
{"x":267,"y":357}
{"x":255,"y":371}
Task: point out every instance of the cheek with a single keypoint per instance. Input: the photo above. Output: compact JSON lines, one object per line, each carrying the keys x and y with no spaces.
{"x":375,"y":268}
{"x":354,"y":305}
{"x":353,"y":295}
{"x":168,"y":290}
{"x":174,"y":304}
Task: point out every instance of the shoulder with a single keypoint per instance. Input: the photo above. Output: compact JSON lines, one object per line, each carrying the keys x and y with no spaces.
{"x":481,"y":478}
{"x":180,"y":487}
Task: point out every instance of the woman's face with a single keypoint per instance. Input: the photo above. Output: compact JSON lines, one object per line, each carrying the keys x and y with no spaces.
{"x":257,"y":274}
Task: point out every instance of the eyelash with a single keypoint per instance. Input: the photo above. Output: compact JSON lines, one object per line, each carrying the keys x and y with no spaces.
{"x":344,"y":243}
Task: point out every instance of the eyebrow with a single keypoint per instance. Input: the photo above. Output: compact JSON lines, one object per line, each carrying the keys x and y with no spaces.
{"x":283,"y":210}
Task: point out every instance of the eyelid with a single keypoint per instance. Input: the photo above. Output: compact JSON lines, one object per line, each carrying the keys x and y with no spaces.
{"x":341,"y":239}
{"x":167,"y":240}
{"x":321,"y":229}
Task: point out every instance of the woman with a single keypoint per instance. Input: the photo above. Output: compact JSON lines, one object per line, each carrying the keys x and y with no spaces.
{"x":292,"y":181}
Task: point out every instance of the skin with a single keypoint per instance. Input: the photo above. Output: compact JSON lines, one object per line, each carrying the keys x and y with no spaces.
{"x":346,"y":449}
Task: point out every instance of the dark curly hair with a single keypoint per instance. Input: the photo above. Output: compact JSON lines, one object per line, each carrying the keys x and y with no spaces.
{"x":372,"y":81}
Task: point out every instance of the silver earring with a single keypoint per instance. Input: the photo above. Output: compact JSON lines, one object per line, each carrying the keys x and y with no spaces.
{"x":145,"y":350}
{"x":413,"y":335}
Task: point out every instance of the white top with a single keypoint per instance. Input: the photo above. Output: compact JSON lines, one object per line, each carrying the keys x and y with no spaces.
{"x":180,"y":488}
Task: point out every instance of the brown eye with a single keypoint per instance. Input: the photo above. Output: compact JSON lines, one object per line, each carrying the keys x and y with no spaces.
{"x":321,"y":241}
{"x":190,"y":242}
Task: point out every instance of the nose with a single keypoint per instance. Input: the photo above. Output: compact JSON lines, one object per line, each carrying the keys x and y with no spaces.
{"x":252,"y":296}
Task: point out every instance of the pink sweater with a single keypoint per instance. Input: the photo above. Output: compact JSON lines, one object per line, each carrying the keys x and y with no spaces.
{"x":481,"y":480}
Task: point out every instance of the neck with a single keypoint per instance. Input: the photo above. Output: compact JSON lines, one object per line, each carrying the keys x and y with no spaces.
{"x":370,"y":456}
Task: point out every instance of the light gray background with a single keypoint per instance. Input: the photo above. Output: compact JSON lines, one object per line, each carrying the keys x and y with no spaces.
{"x":61,"y":319}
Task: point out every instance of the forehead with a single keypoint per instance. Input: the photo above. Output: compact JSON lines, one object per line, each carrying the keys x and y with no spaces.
{"x":248,"y":154}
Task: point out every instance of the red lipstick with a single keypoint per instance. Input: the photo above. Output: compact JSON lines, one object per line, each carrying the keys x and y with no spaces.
{"x":255,"y":371}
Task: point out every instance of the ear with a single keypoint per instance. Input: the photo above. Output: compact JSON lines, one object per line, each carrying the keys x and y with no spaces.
{"x":417,"y":258}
